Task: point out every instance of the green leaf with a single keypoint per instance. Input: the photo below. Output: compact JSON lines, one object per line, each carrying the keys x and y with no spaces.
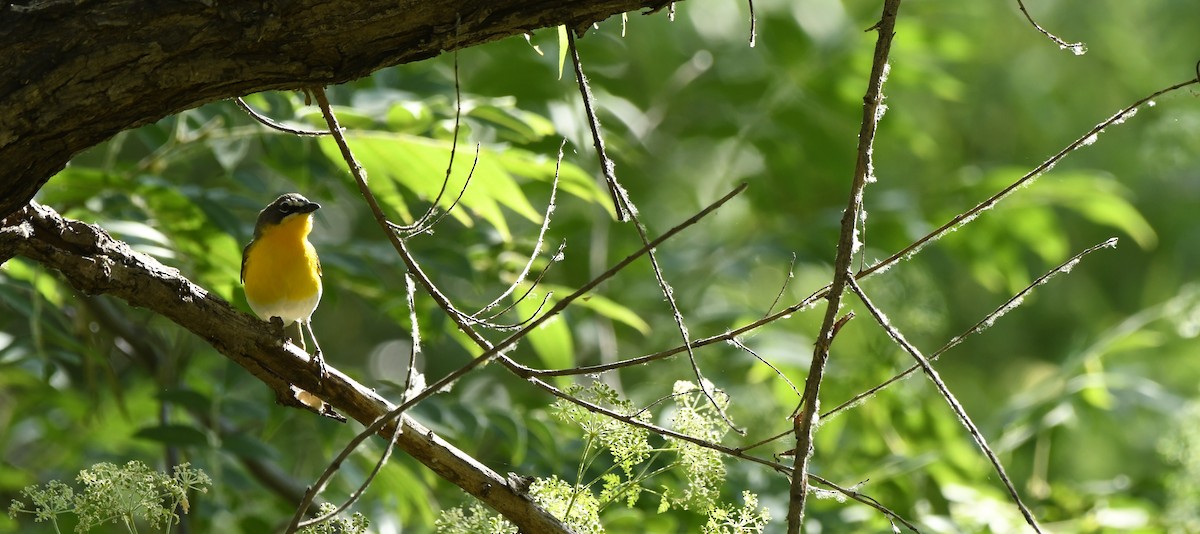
{"x":419,"y":165}
{"x":247,"y":446}
{"x":173,"y":435}
{"x":523,"y":127}
{"x":347,"y":117}
{"x":142,"y":237}
{"x":1094,"y":195}
{"x":552,"y":339}
{"x":563,"y":43}
{"x":409,"y":116}
{"x":605,"y":307}
{"x":189,"y":398}
{"x":572,"y":179}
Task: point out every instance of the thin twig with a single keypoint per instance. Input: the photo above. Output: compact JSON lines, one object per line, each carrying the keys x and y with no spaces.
{"x":765,"y":441}
{"x":362,"y":488}
{"x":1076,"y":48}
{"x":983,"y":324}
{"x":865,"y":499}
{"x":970,"y":215}
{"x":950,"y":399}
{"x":491,"y":351}
{"x":619,"y":197}
{"x":422,"y":223}
{"x":979,"y":326}
{"x":632,"y":419}
{"x":847,"y":245}
{"x":529,"y":290}
{"x":907,"y":252}
{"x":680,"y":324}
{"x":753,"y":23}
{"x":738,"y":343}
{"x":537,"y":245}
{"x":507,"y":343}
{"x":337,"y":462}
{"x":426,"y":225}
{"x":807,"y":303}
{"x":791,"y":273}
{"x":271,"y":123}
{"x":360,"y":176}
{"x":886,"y":263}
{"x":486,"y":323}
{"x":630,"y":211}
{"x":410,"y":290}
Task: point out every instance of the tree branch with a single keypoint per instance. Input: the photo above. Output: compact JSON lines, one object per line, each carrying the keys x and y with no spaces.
{"x":847,"y":245}
{"x":95,"y":263}
{"x":76,"y":73}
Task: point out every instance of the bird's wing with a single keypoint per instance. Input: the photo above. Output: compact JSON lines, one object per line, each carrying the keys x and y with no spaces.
{"x":245,"y":254}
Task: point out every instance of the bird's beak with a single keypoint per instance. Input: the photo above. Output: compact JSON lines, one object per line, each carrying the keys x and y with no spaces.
{"x":309,"y":208}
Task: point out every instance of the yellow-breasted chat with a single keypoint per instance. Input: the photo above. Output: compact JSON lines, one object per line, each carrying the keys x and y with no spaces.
{"x":280,"y":268}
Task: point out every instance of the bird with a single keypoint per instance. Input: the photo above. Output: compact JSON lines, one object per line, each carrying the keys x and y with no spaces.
{"x":281,"y":272}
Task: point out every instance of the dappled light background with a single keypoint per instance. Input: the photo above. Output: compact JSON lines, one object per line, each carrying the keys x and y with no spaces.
{"x":1087,"y":390}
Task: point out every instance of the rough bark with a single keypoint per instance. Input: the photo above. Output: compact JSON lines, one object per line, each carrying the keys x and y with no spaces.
{"x":76,"y":72}
{"x":95,"y":263}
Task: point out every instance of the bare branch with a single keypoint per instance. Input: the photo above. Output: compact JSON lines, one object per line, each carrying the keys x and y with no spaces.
{"x":791,"y":273}
{"x":1076,"y":48}
{"x":94,"y":263}
{"x":306,"y":501}
{"x":516,"y":515}
{"x":807,"y":303}
{"x":865,"y":499}
{"x":490,"y":350}
{"x":86,"y":86}
{"x":422,"y":223}
{"x":619,"y":198}
{"x":626,"y":209}
{"x":272,"y":124}
{"x":983,"y":324}
{"x":410,"y":291}
{"x":753,"y":23}
{"x":632,"y":419}
{"x":950,"y":399}
{"x":970,"y":215}
{"x":738,"y":343}
{"x":496,"y":350}
{"x":847,"y":245}
{"x":537,"y":245}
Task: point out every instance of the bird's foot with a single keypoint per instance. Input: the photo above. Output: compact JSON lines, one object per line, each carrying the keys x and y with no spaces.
{"x":318,"y":361}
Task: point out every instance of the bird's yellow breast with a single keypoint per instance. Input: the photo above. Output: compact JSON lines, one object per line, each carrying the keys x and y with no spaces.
{"x":282,"y":274}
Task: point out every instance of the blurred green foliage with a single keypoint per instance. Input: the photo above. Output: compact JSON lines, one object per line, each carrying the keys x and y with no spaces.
{"x":1086,"y":391}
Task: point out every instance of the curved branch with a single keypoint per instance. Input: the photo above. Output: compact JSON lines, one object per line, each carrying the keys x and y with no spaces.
{"x":95,"y":263}
{"x":76,"y":73}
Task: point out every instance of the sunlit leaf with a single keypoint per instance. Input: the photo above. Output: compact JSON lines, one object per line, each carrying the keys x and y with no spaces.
{"x":522,"y":127}
{"x":552,"y":340}
{"x":409,"y":117}
{"x":563,"y":44}
{"x":419,"y":165}
{"x":605,"y":307}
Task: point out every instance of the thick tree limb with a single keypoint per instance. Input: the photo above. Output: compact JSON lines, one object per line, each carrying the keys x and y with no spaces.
{"x":78,"y":72}
{"x":94,"y":263}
